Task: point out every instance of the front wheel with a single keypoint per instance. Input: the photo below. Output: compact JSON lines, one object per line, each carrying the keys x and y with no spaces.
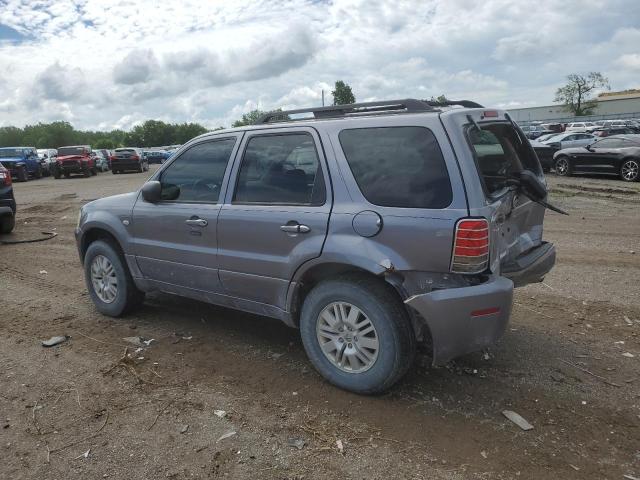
{"x":630,"y":170}
{"x":357,"y":334}
{"x":38,"y":173}
{"x":109,"y":281}
{"x":563,"y":167}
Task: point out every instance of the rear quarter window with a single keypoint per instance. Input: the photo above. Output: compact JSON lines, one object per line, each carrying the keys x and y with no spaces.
{"x":398,"y":166}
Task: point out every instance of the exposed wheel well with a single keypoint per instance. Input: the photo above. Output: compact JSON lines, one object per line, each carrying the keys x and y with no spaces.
{"x":328,"y":271}
{"x":98,"y":234}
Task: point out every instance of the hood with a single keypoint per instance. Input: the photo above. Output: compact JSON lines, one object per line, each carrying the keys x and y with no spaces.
{"x":12,"y":159}
{"x":115,"y":202}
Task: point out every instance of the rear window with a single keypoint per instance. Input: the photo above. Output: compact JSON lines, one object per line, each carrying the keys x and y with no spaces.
{"x":398,"y":166}
{"x":62,"y":151}
{"x":500,"y":153}
{"x":125,"y":150}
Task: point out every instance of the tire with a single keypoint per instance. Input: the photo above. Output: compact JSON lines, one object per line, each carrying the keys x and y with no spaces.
{"x":56,"y":173}
{"x":38,"y":173}
{"x":94,"y":171}
{"x":22,"y":175}
{"x":392,"y":328}
{"x":127,"y":296}
{"x":67,"y":174}
{"x":563,"y":166}
{"x":114,"y":171}
{"x":7,"y":222}
{"x":630,"y":170}
{"x":140,"y":167}
{"x":86,"y":172}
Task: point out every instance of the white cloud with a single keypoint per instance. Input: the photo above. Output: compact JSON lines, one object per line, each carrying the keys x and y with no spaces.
{"x":114,"y":63}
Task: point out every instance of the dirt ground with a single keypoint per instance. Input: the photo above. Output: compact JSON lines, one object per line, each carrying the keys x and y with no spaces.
{"x":568,"y":364}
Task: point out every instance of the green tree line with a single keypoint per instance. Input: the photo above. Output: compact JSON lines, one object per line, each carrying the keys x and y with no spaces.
{"x":152,"y":133}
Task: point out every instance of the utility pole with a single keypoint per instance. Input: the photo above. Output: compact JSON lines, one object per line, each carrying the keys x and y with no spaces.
{"x":323,"y":97}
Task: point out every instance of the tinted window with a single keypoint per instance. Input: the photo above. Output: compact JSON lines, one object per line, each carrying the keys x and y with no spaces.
{"x":609,"y":143}
{"x":398,"y":166}
{"x":196,"y":175}
{"x":280,"y":169}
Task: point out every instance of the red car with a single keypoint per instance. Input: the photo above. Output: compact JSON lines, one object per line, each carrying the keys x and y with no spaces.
{"x":75,"y":159}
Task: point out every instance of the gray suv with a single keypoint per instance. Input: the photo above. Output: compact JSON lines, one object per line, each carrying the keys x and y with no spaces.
{"x":371,"y":227}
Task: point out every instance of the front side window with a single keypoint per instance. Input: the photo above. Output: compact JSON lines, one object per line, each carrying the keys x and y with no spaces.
{"x":196,"y":176}
{"x":398,"y":166}
{"x":609,"y":143}
{"x":280,"y":169}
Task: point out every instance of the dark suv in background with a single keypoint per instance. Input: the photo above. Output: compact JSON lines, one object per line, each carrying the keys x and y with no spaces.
{"x":21,"y":162}
{"x":129,"y":158}
{"x":370,"y":227}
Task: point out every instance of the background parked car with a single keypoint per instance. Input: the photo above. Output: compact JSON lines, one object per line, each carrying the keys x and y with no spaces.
{"x":570,"y":139}
{"x":74,"y":159}
{"x":107,"y":154}
{"x":7,"y":202}
{"x":581,"y":127}
{"x":607,"y":132}
{"x":553,"y":127}
{"x":618,"y":155}
{"x":128,"y":158}
{"x":102,"y":163}
{"x":157,"y":156}
{"x":544,"y":153}
{"x":47,"y":156}
{"x":534,"y":131}
{"x":21,"y":162}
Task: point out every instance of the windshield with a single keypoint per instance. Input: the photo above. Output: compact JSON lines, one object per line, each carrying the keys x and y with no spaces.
{"x":63,"y":151}
{"x":10,"y":152}
{"x":500,"y":153}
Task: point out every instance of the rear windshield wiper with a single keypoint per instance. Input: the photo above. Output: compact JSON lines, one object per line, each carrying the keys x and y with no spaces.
{"x":528,"y":183}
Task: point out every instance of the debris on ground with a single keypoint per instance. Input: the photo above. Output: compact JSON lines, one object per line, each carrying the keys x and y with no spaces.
{"x":226,"y":435}
{"x":220,"y":413}
{"x":296,"y":442}
{"x":139,"y":341}
{"x":340,"y":446}
{"x":85,"y":455}
{"x":517,"y":419}
{"x":628,"y":320}
{"x":53,"y":341}
{"x":43,"y":272}
{"x":483,"y":454}
{"x":184,"y":429}
{"x":628,"y":355}
{"x":630,"y":477}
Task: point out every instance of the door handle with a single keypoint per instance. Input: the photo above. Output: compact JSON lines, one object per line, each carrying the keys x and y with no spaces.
{"x":295,"y":228}
{"x":197,"y":222}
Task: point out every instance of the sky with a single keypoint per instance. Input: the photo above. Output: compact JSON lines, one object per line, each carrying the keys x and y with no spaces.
{"x":104,"y":64}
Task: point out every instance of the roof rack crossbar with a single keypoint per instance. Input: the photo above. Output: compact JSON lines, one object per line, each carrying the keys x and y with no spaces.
{"x":406,"y":105}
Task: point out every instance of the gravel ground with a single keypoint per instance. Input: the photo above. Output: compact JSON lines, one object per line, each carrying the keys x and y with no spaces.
{"x":568,"y":364}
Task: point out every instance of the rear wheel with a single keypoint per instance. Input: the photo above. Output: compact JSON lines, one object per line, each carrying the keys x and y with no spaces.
{"x":563,"y":167}
{"x":94,"y":171}
{"x":56,"y":172}
{"x":38,"y":173}
{"x":109,"y":281}
{"x":7,"y":222}
{"x":22,"y":175}
{"x":67,"y":174}
{"x":114,"y":171}
{"x":630,"y":170}
{"x":86,"y":171}
{"x":357,"y":334}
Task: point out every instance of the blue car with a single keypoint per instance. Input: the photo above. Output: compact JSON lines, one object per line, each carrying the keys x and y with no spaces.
{"x":21,"y":162}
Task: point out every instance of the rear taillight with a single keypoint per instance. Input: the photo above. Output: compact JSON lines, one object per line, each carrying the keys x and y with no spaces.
{"x":470,"y":246}
{"x":135,"y":157}
{"x":5,"y":178}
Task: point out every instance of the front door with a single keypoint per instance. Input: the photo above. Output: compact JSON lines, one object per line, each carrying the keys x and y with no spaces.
{"x":275,"y":213}
{"x":176,"y":238}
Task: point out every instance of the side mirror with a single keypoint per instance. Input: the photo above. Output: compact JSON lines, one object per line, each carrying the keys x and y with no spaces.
{"x":152,"y":191}
{"x":589,"y":147}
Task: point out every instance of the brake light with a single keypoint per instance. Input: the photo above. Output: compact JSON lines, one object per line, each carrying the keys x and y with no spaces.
{"x":135,"y":157}
{"x":470,"y":246}
{"x":5,"y":178}
{"x":490,"y":114}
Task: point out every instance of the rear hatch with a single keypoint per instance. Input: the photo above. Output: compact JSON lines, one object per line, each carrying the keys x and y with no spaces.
{"x":126,"y":154}
{"x":490,"y":148}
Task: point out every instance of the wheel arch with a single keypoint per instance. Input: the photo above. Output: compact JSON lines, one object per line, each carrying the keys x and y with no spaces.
{"x":96,"y":233}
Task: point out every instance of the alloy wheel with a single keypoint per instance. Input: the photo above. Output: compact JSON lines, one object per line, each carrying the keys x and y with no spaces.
{"x":347,"y":337}
{"x":562,"y":166}
{"x":103,"y":279}
{"x":629,"y":170}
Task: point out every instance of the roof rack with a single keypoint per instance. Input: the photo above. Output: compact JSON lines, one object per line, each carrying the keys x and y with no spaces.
{"x":449,"y":103}
{"x":408,"y":105}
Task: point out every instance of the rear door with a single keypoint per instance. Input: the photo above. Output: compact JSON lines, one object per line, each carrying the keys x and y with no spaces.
{"x":494,"y":153}
{"x":275,"y":214}
{"x":176,"y":238}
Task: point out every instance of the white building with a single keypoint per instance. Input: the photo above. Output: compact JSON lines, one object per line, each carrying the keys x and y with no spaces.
{"x":610,"y":105}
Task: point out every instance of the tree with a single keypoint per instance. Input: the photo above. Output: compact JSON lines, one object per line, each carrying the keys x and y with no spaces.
{"x":252,"y":117}
{"x":342,"y":94}
{"x":575,"y":95}
{"x":439,"y":99}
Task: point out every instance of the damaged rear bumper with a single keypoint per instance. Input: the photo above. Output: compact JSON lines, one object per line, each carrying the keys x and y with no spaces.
{"x":532,"y":266}
{"x":467,"y":319}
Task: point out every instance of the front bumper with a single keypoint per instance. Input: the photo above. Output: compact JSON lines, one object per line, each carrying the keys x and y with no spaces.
{"x":7,"y":204}
{"x":466,"y":319}
{"x":75,"y":167}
